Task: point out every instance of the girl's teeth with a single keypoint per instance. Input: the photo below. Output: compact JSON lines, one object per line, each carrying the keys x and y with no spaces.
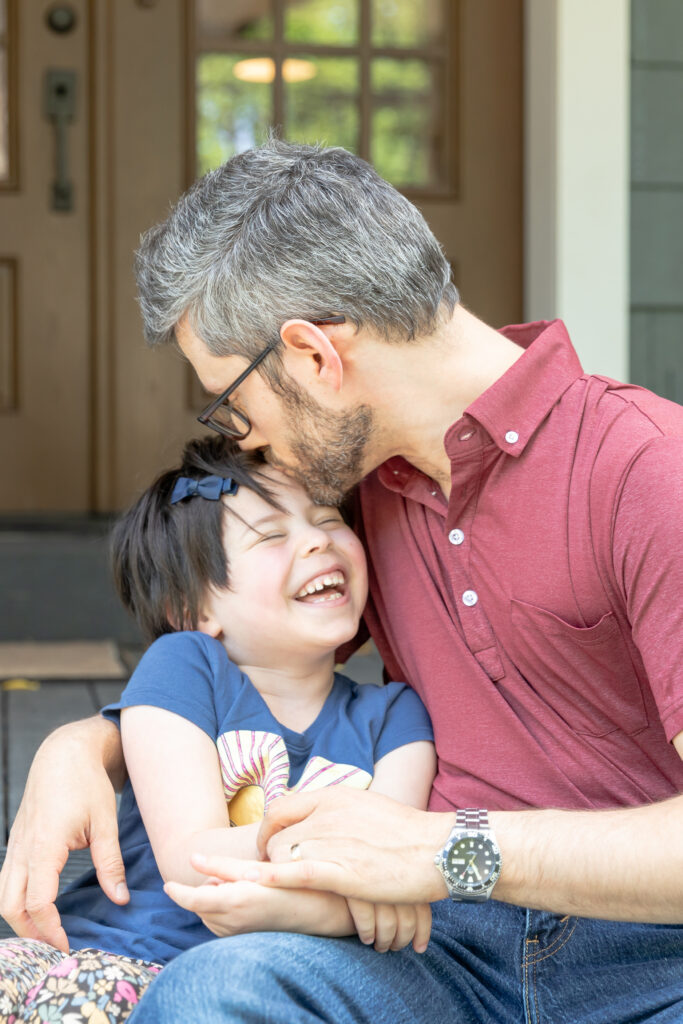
{"x":327,"y":581}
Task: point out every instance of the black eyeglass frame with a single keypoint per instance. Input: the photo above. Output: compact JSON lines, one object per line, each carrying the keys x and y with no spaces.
{"x":206,"y":416}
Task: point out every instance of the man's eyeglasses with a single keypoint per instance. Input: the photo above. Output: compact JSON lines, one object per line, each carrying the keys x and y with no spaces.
{"x":222,"y":416}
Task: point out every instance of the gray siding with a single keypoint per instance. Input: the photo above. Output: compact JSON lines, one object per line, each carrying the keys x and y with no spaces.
{"x":657,"y":196}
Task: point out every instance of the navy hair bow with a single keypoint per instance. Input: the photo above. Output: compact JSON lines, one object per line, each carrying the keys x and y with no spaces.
{"x":210,"y":487}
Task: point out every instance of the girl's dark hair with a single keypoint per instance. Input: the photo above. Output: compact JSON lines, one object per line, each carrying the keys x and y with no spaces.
{"x":165,"y":557}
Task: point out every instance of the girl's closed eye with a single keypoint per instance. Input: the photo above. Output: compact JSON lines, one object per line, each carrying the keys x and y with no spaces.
{"x":274,"y":535}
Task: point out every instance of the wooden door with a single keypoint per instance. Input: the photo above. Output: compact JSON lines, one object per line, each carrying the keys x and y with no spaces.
{"x":88,"y":414}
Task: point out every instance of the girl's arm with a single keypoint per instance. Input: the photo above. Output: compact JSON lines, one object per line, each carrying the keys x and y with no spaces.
{"x":176,"y":777}
{"x":175,"y":774}
{"x":406,"y":774}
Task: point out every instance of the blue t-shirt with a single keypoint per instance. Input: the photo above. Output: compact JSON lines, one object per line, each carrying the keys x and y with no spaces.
{"x":191,"y":675}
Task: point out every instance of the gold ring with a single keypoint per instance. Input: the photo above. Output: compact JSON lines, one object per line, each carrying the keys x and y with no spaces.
{"x":295,"y":851}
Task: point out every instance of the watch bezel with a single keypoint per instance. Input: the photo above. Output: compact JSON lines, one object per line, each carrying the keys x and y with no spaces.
{"x":470,"y":890}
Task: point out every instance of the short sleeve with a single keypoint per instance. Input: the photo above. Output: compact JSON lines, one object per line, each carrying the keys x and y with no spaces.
{"x":648,"y":562}
{"x":405,"y":720}
{"x":178,"y":672}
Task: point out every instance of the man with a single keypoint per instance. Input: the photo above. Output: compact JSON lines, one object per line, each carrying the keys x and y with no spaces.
{"x":524,"y":526}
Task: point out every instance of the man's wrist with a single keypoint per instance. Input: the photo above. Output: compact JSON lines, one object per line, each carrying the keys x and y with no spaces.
{"x":440,"y":827}
{"x":96,"y":740}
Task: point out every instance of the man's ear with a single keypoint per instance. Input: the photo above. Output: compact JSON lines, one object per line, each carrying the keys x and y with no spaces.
{"x":312,"y":354}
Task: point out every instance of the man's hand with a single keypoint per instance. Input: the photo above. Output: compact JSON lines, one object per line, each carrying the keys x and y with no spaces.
{"x":68,"y":804}
{"x":357,"y":844}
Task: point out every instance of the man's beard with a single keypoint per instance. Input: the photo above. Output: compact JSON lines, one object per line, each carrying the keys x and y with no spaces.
{"x":328,"y":448}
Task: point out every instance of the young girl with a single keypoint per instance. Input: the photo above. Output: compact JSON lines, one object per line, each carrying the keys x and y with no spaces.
{"x":246,"y":588}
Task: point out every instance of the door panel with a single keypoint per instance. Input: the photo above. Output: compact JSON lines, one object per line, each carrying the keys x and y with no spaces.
{"x":141,"y":413}
{"x":44,"y":425}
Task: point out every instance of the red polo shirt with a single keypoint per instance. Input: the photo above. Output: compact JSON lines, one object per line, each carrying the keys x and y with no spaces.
{"x":539,"y":612}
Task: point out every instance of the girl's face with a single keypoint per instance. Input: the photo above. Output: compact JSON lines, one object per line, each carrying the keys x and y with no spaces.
{"x":298,"y":579}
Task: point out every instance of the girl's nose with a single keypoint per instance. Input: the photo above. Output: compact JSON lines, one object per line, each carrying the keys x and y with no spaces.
{"x":315,"y":540}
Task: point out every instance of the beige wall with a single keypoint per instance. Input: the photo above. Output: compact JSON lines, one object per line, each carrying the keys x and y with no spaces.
{"x":577,"y":174}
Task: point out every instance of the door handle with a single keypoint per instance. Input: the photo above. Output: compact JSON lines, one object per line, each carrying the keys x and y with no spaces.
{"x":60,"y":109}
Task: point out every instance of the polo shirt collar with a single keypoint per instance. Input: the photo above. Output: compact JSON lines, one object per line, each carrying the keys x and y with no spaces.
{"x":513,"y":408}
{"x":517,"y":402}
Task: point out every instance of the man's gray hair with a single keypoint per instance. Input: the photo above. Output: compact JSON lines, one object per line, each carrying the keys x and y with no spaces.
{"x":286,"y":231}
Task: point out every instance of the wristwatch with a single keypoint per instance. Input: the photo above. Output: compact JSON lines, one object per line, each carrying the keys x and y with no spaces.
{"x":470,"y":861}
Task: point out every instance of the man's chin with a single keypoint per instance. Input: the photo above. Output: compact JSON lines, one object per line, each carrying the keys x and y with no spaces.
{"x":323,"y":492}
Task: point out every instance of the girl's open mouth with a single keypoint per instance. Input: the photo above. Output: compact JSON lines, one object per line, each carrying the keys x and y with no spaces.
{"x":322,"y":589}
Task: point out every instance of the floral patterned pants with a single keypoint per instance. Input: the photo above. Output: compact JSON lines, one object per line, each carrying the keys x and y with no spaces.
{"x":41,"y":985}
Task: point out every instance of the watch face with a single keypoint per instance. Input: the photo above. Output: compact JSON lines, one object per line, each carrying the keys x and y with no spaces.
{"x":473,"y":863}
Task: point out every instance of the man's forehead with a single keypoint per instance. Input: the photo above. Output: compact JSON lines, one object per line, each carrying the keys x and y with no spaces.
{"x":214,"y":372}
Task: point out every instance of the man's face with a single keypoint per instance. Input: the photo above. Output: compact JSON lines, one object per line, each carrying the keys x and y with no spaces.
{"x":325,"y":450}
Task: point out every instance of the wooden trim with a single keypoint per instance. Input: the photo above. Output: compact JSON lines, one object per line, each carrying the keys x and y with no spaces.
{"x":188,"y":35}
{"x":364,"y":83}
{"x":90,"y":97}
{"x":102,"y":235}
{"x":265,"y":47}
{"x":11,"y":182}
{"x":278,"y":50}
{"x":9,"y":335}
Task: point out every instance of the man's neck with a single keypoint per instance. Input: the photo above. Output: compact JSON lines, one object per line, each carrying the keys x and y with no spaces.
{"x":428,"y":384}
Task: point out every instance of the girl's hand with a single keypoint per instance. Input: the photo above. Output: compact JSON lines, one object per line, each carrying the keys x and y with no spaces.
{"x":234,"y":908}
{"x":392,"y":925}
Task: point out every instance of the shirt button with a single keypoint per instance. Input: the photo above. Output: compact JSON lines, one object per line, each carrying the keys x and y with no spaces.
{"x":470,"y":597}
{"x":456,"y":536}
{"x":512,"y":437}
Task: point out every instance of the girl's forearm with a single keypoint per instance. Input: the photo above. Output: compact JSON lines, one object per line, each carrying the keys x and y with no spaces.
{"x":174,"y":862}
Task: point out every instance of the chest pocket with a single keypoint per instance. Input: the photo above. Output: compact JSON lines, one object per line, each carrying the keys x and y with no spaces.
{"x":585,"y":674}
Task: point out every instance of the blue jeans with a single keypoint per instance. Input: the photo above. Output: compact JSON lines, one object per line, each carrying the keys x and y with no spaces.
{"x":486,"y":964}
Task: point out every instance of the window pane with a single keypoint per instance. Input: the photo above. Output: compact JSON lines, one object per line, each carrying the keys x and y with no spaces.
{"x":234,"y":105}
{"x":237,"y":20}
{"x":407,"y":22}
{"x":324,"y":22}
{"x":324,"y":108}
{"x":406,"y":143}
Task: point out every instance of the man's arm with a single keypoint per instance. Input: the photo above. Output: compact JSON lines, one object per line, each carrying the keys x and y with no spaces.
{"x":68,"y":804}
{"x":624,"y":864}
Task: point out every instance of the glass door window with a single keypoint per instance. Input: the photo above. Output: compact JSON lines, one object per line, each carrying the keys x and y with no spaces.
{"x":373,"y":76}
